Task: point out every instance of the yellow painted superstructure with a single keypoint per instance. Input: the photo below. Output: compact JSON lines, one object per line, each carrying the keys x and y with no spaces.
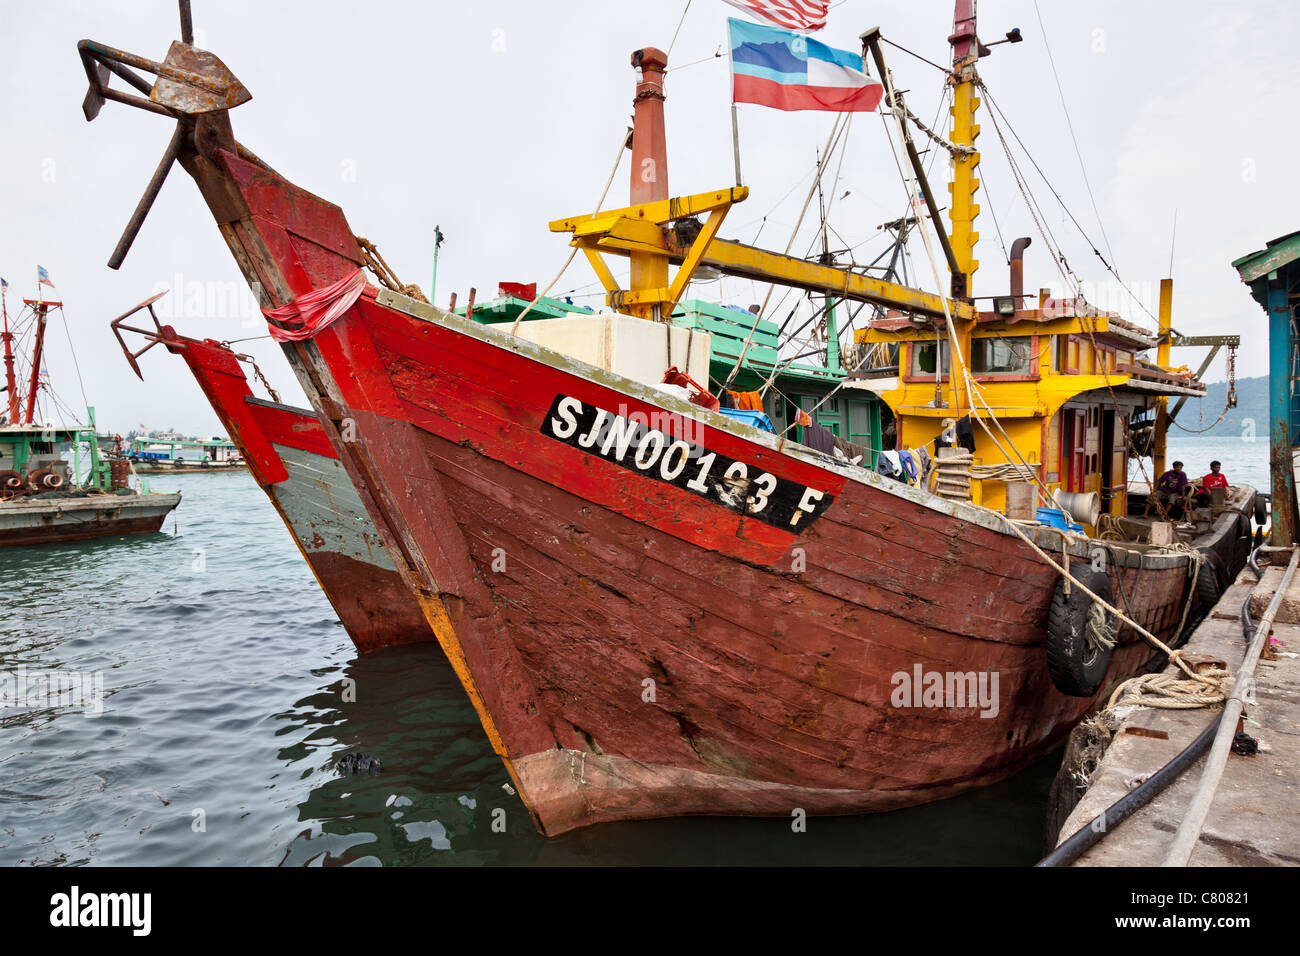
{"x":1027,"y":407}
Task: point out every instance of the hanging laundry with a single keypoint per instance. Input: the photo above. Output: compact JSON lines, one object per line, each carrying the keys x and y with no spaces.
{"x":890,"y":465}
{"x":966,"y":434}
{"x":819,"y":438}
{"x":909,"y":465}
{"x":803,"y":418}
{"x":923,"y":465}
{"x":725,"y":400}
{"x":958,"y":434}
{"x":947,"y":436}
{"x":850,"y":451}
{"x":748,"y":401}
{"x":758,"y":420}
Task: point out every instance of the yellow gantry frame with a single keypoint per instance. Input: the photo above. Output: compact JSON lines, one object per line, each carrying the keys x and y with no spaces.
{"x":637,"y":231}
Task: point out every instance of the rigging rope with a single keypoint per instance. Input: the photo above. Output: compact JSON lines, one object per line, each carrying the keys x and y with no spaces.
{"x":942,"y":69}
{"x":836,"y":128}
{"x":994,"y":112}
{"x":75,"y":364}
{"x":935,"y":138}
{"x":1070,"y":125}
{"x":618,"y":160}
{"x":682,"y":20}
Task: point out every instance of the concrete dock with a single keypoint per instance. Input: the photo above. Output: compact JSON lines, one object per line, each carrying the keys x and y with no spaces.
{"x":1255,"y":817}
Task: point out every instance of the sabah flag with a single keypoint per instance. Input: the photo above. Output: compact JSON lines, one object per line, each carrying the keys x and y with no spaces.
{"x":43,"y":276}
{"x":791,"y":14}
{"x":788,"y":71}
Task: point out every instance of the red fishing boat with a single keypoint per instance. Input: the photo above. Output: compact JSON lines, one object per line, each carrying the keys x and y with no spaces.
{"x":655,"y":608}
{"x":288,"y":454}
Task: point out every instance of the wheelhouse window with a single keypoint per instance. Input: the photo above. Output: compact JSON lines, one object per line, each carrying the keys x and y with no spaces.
{"x":1003,"y":356}
{"x":923,"y":358}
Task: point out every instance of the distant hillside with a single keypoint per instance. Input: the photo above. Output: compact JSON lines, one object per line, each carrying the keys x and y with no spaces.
{"x":1252,"y":403}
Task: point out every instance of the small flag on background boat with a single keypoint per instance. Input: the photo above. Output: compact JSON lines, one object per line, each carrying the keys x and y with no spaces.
{"x":43,"y":276}
{"x":788,"y":71}
{"x":790,"y":14}
{"x":3,"y":284}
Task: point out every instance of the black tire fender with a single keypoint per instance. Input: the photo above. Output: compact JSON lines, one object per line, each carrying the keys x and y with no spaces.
{"x":1261,"y":511}
{"x":1218,"y":573}
{"x":1207,"y":594}
{"x":1077,"y":668}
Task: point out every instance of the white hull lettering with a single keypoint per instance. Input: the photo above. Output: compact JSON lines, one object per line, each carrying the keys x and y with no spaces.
{"x":630,"y":441}
{"x":589,"y":439}
{"x":565,"y":422}
{"x":652,"y":443}
{"x":668,"y":470}
{"x":700,"y":482}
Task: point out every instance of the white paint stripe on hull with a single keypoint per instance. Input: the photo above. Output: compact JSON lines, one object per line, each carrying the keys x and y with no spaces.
{"x":324,"y":509}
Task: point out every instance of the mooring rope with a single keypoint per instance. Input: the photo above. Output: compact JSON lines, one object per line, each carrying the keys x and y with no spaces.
{"x":1097,"y":632}
{"x":1198,"y":686}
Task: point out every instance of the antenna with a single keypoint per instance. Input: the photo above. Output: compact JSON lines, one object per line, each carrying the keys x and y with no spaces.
{"x":1172,"y":236}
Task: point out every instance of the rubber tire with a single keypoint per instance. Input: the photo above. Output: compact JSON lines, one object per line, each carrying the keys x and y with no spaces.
{"x":1220,"y":575}
{"x":1209,"y":587}
{"x":1261,"y":511}
{"x":1076,"y":669}
{"x":1242,"y":551}
{"x":1208,"y":592}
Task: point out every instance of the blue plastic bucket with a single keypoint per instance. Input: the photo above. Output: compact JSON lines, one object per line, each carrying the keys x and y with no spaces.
{"x":1055,"y":518}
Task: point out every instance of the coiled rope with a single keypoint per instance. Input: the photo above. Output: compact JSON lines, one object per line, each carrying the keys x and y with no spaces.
{"x":1165,"y":690}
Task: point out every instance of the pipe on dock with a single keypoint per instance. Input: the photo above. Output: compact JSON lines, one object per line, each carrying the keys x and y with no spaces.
{"x":1129,"y":804}
{"x":1189,"y":830}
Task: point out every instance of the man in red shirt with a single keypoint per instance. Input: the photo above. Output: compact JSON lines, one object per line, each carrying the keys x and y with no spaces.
{"x":1213,"y":480}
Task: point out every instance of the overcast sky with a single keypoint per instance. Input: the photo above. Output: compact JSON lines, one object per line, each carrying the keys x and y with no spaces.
{"x":493,"y":118}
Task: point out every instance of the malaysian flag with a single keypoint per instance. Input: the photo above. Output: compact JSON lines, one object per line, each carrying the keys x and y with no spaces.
{"x":789,"y":14}
{"x":43,"y":276}
{"x":788,"y":71}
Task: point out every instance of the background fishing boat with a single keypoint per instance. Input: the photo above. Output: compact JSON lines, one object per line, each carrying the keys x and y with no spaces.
{"x":184,"y":455}
{"x":54,"y":484}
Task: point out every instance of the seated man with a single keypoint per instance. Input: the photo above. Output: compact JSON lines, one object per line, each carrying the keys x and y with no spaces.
{"x":1169,"y":491}
{"x":1213,"y":480}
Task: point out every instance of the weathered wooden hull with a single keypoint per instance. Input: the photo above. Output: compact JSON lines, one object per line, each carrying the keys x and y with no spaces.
{"x":570,"y":581}
{"x":293,"y":462}
{"x":641,"y":638}
{"x":26,"y":521}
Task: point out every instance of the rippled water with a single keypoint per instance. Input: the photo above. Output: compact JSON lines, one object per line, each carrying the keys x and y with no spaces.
{"x":1244,"y":462}
{"x":224,"y":671}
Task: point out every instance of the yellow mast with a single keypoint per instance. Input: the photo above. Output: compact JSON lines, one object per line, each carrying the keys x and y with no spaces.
{"x":1162,"y":359}
{"x":964,"y":185}
{"x":963,"y":209}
